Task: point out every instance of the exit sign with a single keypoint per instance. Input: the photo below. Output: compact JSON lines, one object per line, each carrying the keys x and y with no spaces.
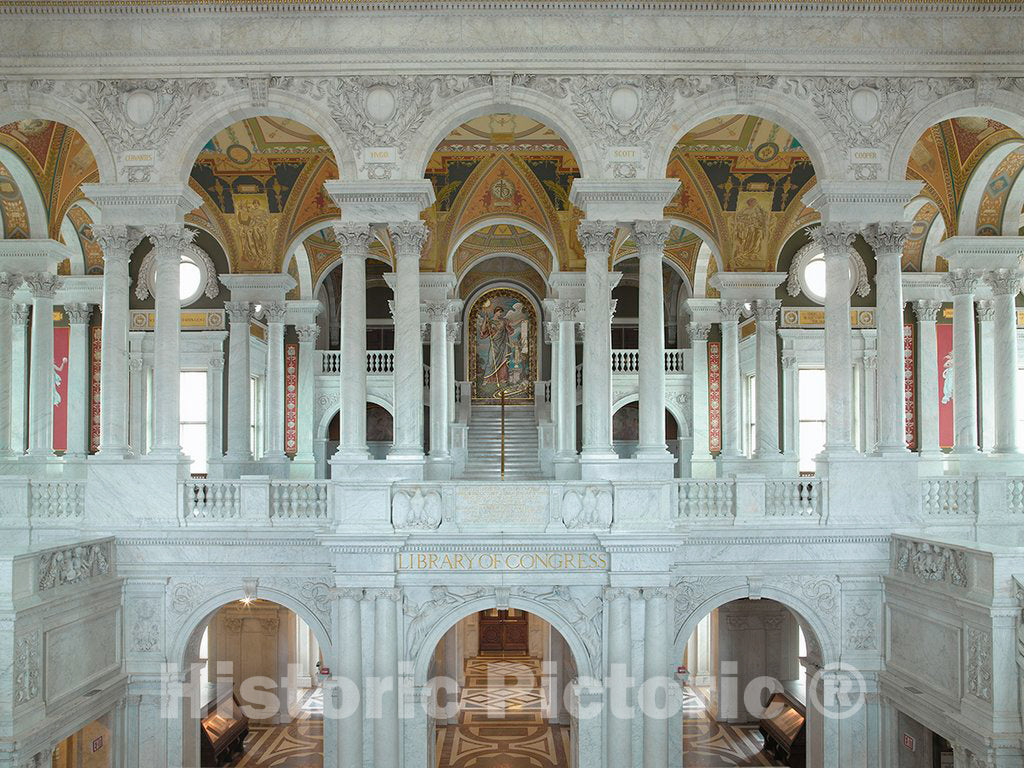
{"x":909,"y":742}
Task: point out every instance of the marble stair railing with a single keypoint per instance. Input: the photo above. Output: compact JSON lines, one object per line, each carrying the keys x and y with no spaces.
{"x":748,"y":499}
{"x":292,"y":500}
{"x":58,"y":500}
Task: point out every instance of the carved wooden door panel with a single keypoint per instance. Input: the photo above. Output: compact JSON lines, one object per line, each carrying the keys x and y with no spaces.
{"x":504,"y":631}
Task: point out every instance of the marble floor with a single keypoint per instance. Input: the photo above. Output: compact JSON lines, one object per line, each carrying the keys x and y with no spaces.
{"x":501,"y":721}
{"x":298,"y":744}
{"x":710,"y":744}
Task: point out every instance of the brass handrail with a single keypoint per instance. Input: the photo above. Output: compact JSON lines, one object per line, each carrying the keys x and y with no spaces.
{"x":502,"y":434}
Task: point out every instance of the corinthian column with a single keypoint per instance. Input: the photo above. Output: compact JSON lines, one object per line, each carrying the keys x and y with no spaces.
{"x":766,"y":311}
{"x":78,"y":379}
{"x":169,"y":241}
{"x":408,"y":237}
{"x":620,"y":645}
{"x":239,"y":316}
{"x":596,"y":238}
{"x":355,"y":250}
{"x":43,"y":286}
{"x":985,"y":312}
{"x":118,"y":242}
{"x":836,"y":240}
{"x":8,"y":284}
{"x":565,"y":311}
{"x":275,"y":314}
{"x":385,"y":668}
{"x":887,"y":241}
{"x":650,"y":237}
{"x":732,"y":442}
{"x":437,"y":313}
{"x":962,"y":284}
{"x":656,"y":666}
{"x":1005,"y":284}
{"x":19,"y":379}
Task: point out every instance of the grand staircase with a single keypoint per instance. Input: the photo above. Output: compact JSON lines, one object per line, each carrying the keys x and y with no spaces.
{"x":483,"y":458}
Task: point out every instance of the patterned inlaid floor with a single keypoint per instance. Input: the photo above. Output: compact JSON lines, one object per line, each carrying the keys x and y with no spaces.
{"x":502,"y":719}
{"x":710,"y":744}
{"x":299,"y":744}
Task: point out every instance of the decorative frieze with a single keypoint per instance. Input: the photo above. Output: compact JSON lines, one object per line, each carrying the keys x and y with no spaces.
{"x":416,"y":509}
{"x":979,"y":663}
{"x":27,"y":668}
{"x":74,"y":565}
{"x":587,"y":507}
{"x":931,"y":562}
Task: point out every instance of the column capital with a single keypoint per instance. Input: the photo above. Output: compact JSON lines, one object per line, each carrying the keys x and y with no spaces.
{"x":870,"y":360}
{"x":354,"y":239}
{"x":565,"y":310}
{"x":19,"y":314}
{"x":1004,"y":282}
{"x":392,"y":594}
{"x":409,"y":238}
{"x":731,"y":310}
{"x":986,"y":310}
{"x":275,"y":311}
{"x":927,"y":309}
{"x":349,"y":593}
{"x":788,"y":361}
{"x":9,"y":283}
{"x":78,"y":313}
{"x":618,"y":593}
{"x":215,"y":363}
{"x":658,"y":593}
{"x":550,"y":331}
{"x":766,"y":310}
{"x":650,"y":237}
{"x":307,"y":333}
{"x":169,"y":239}
{"x":135,"y":362}
{"x":887,"y":238}
{"x":238,"y":312}
{"x":596,"y":237}
{"x":454,"y":332}
{"x":699,"y":331}
{"x":43,"y":284}
{"x":117,"y":241}
{"x":961,"y":282}
{"x":835,"y":238}
{"x":439,"y":311}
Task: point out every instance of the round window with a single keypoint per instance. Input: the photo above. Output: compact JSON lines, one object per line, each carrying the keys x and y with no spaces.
{"x":191,"y":280}
{"x":813,"y":280}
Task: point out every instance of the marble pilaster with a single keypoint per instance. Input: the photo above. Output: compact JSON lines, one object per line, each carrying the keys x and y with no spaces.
{"x":962,"y":284}
{"x":8,"y":284}
{"x":732,"y":441}
{"x":650,"y":237}
{"x":409,"y":238}
{"x":1005,"y":284}
{"x":926,"y":310}
{"x":700,"y":400}
{"x":118,"y":243}
{"x":766,"y":311}
{"x":790,"y":406}
{"x":385,"y":668}
{"x":656,"y":667}
{"x":275,"y":313}
{"x":137,"y":403}
{"x":985,"y":312}
{"x":350,"y":668}
{"x":565,"y":312}
{"x":239,"y":441}
{"x":215,"y":409}
{"x":78,"y":314}
{"x":887,"y":241}
{"x":596,"y":238}
{"x":19,"y":377}
{"x":438,"y":313}
{"x":43,"y":286}
{"x":620,"y":643}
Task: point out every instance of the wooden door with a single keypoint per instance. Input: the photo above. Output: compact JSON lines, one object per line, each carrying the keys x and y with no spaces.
{"x":504,"y":631}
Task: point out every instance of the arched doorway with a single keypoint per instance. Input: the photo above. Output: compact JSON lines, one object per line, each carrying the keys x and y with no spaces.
{"x":252,"y":687}
{"x":751,"y":665}
{"x":499,"y":679}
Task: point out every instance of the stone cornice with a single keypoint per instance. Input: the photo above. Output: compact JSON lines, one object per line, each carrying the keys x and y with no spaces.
{"x":974,"y":252}
{"x":381,"y":202}
{"x":143,"y":204}
{"x":31,"y":255}
{"x":258,"y":287}
{"x":621,"y":200}
{"x":748,"y":285}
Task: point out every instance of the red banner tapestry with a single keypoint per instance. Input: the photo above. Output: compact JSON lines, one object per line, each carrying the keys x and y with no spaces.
{"x":944,"y":345}
{"x":715,"y":396}
{"x":94,"y":388}
{"x":909,"y":387}
{"x":291,"y":398}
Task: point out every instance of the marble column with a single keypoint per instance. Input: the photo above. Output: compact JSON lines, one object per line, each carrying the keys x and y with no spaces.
{"x":790,"y":406}
{"x":355,"y":250}
{"x":887,"y":241}
{"x":409,"y":238}
{"x":350,"y":668}
{"x":962,"y":284}
{"x":650,"y":237}
{"x":566,"y":312}
{"x":118,"y":243}
{"x":78,"y":315}
{"x":732,"y":438}
{"x":1005,"y":284}
{"x":699,"y":333}
{"x":620,"y":646}
{"x":437,"y":313}
{"x":927,"y":378}
{"x":836,"y":241}
{"x":215,"y":408}
{"x":986,"y":313}
{"x":454,"y":337}
{"x":656,"y":666}
{"x":136,"y":403}
{"x":307,"y":392}
{"x":766,"y":311}
{"x":869,"y":401}
{"x":169,"y":240}
{"x":19,"y":378}
{"x":385,"y":668}
{"x":8,"y":284}
{"x":275,"y":313}
{"x":239,"y":439}
{"x":551,"y":339}
{"x":43,"y":286}
{"x":596,"y":238}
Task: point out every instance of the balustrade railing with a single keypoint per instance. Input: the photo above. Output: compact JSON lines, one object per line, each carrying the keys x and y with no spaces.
{"x":793,"y":498}
{"x":674,"y":361}
{"x":58,"y":499}
{"x":1015,"y":496}
{"x":212,"y":500}
{"x":298,"y":499}
{"x":625,"y":361}
{"x":947,"y":497}
{"x":706,"y":499}
{"x":377,"y":361}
